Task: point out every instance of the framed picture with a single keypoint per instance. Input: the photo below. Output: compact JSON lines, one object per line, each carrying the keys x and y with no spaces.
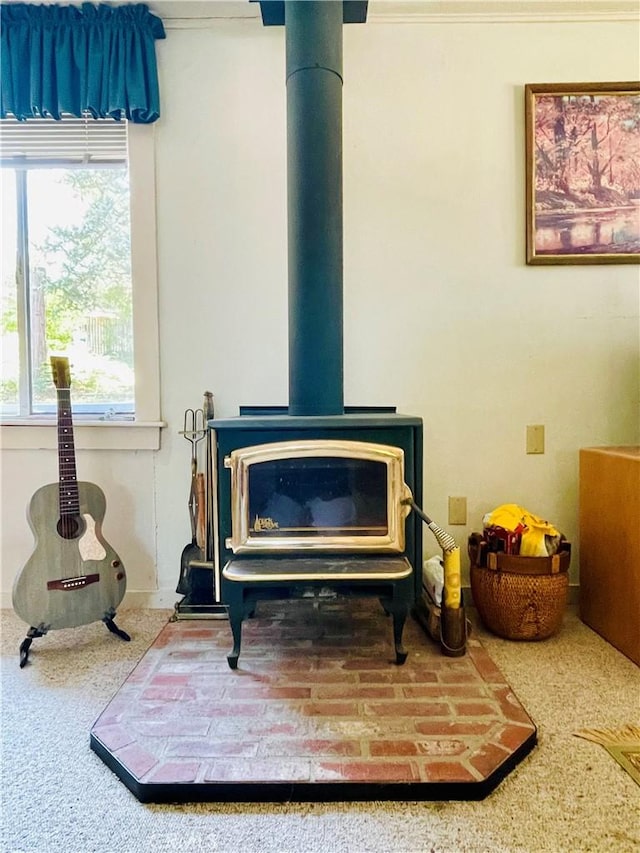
{"x":583,"y":173}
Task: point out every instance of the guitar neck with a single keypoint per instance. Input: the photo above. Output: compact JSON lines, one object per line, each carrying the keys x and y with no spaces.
{"x":67,"y":478}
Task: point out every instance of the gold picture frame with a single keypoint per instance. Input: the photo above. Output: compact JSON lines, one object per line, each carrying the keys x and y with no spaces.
{"x":583,"y":173}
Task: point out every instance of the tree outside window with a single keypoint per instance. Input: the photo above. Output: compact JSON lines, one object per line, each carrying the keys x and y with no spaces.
{"x":67,"y":287}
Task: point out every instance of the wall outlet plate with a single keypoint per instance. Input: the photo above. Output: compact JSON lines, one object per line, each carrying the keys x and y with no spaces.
{"x":457,"y":510}
{"x":535,"y":438}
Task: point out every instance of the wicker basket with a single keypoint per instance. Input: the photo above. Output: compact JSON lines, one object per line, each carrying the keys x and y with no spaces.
{"x":519,"y":598}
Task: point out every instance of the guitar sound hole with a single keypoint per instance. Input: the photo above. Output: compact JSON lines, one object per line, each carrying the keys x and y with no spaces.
{"x":71,"y":526}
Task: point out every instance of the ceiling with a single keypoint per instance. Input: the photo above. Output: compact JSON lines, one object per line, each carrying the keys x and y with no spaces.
{"x":180,"y":12}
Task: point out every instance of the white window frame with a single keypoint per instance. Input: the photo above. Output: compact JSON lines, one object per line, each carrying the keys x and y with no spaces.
{"x":142,"y":433}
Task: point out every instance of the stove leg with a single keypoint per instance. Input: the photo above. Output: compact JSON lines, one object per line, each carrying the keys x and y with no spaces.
{"x":399,"y":611}
{"x":399,"y":618}
{"x":235,"y":620}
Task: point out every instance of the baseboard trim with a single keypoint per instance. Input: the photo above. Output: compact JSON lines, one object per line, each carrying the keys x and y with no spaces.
{"x":165,"y":599}
{"x":135,"y":599}
{"x":156,"y":599}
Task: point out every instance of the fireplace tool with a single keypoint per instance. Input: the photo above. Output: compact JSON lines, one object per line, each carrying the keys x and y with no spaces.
{"x":453,"y":623}
{"x":194,"y":430}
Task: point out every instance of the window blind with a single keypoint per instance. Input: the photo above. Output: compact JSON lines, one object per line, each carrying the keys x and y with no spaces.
{"x":69,"y":141}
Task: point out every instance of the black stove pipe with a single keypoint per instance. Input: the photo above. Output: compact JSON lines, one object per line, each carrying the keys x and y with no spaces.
{"x":314,"y":186}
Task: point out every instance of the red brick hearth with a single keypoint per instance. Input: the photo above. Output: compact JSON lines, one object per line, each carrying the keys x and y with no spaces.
{"x":317,"y":710}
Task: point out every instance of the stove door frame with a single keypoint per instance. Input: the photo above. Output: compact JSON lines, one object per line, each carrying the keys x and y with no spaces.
{"x":398,"y":495}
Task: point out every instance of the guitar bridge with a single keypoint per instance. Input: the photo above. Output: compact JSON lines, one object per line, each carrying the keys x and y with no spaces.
{"x":78,"y":582}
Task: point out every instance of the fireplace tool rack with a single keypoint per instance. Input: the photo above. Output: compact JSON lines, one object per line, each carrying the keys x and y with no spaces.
{"x":198,"y":580}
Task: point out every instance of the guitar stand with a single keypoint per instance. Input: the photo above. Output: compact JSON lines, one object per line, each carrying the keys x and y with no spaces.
{"x":32,"y":633}
{"x":40,"y":631}
{"x":111,"y":625}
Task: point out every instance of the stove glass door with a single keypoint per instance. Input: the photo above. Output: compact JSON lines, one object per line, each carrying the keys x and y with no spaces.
{"x":318,"y":496}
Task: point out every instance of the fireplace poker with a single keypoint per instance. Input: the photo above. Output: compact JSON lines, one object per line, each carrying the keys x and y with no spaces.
{"x":208,"y":478}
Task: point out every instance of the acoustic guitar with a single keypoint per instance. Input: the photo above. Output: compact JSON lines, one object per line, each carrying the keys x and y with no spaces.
{"x":73,"y":576}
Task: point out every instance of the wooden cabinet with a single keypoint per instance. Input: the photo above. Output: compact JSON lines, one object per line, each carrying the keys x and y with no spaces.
{"x":610,"y":545}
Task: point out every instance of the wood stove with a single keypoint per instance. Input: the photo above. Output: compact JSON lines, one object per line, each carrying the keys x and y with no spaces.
{"x":317,"y":506}
{"x":312,"y":498}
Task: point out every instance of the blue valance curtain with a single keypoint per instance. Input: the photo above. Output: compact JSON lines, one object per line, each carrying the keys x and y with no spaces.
{"x":71,"y":59}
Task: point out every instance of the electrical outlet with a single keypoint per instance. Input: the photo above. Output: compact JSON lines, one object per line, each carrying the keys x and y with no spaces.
{"x":457,"y":510}
{"x":535,"y":438}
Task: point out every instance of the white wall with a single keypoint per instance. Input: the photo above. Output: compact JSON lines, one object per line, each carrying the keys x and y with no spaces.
{"x":442,"y":316}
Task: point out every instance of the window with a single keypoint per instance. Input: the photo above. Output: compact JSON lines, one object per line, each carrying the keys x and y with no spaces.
{"x":78,"y":269}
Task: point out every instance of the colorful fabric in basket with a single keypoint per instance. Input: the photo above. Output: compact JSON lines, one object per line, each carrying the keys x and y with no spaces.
{"x":521,"y":532}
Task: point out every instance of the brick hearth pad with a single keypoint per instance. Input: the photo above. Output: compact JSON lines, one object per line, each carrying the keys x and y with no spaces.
{"x":317,"y":710}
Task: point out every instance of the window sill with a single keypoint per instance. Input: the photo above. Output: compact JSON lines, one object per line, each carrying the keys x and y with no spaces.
{"x":42,"y":434}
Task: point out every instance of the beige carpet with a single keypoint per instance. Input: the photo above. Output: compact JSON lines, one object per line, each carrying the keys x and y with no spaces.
{"x":567,"y":796}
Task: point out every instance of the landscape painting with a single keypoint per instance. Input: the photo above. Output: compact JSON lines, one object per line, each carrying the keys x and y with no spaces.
{"x":583,"y":173}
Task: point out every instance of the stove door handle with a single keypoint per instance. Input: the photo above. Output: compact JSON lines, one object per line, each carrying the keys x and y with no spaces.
{"x":406,"y":500}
